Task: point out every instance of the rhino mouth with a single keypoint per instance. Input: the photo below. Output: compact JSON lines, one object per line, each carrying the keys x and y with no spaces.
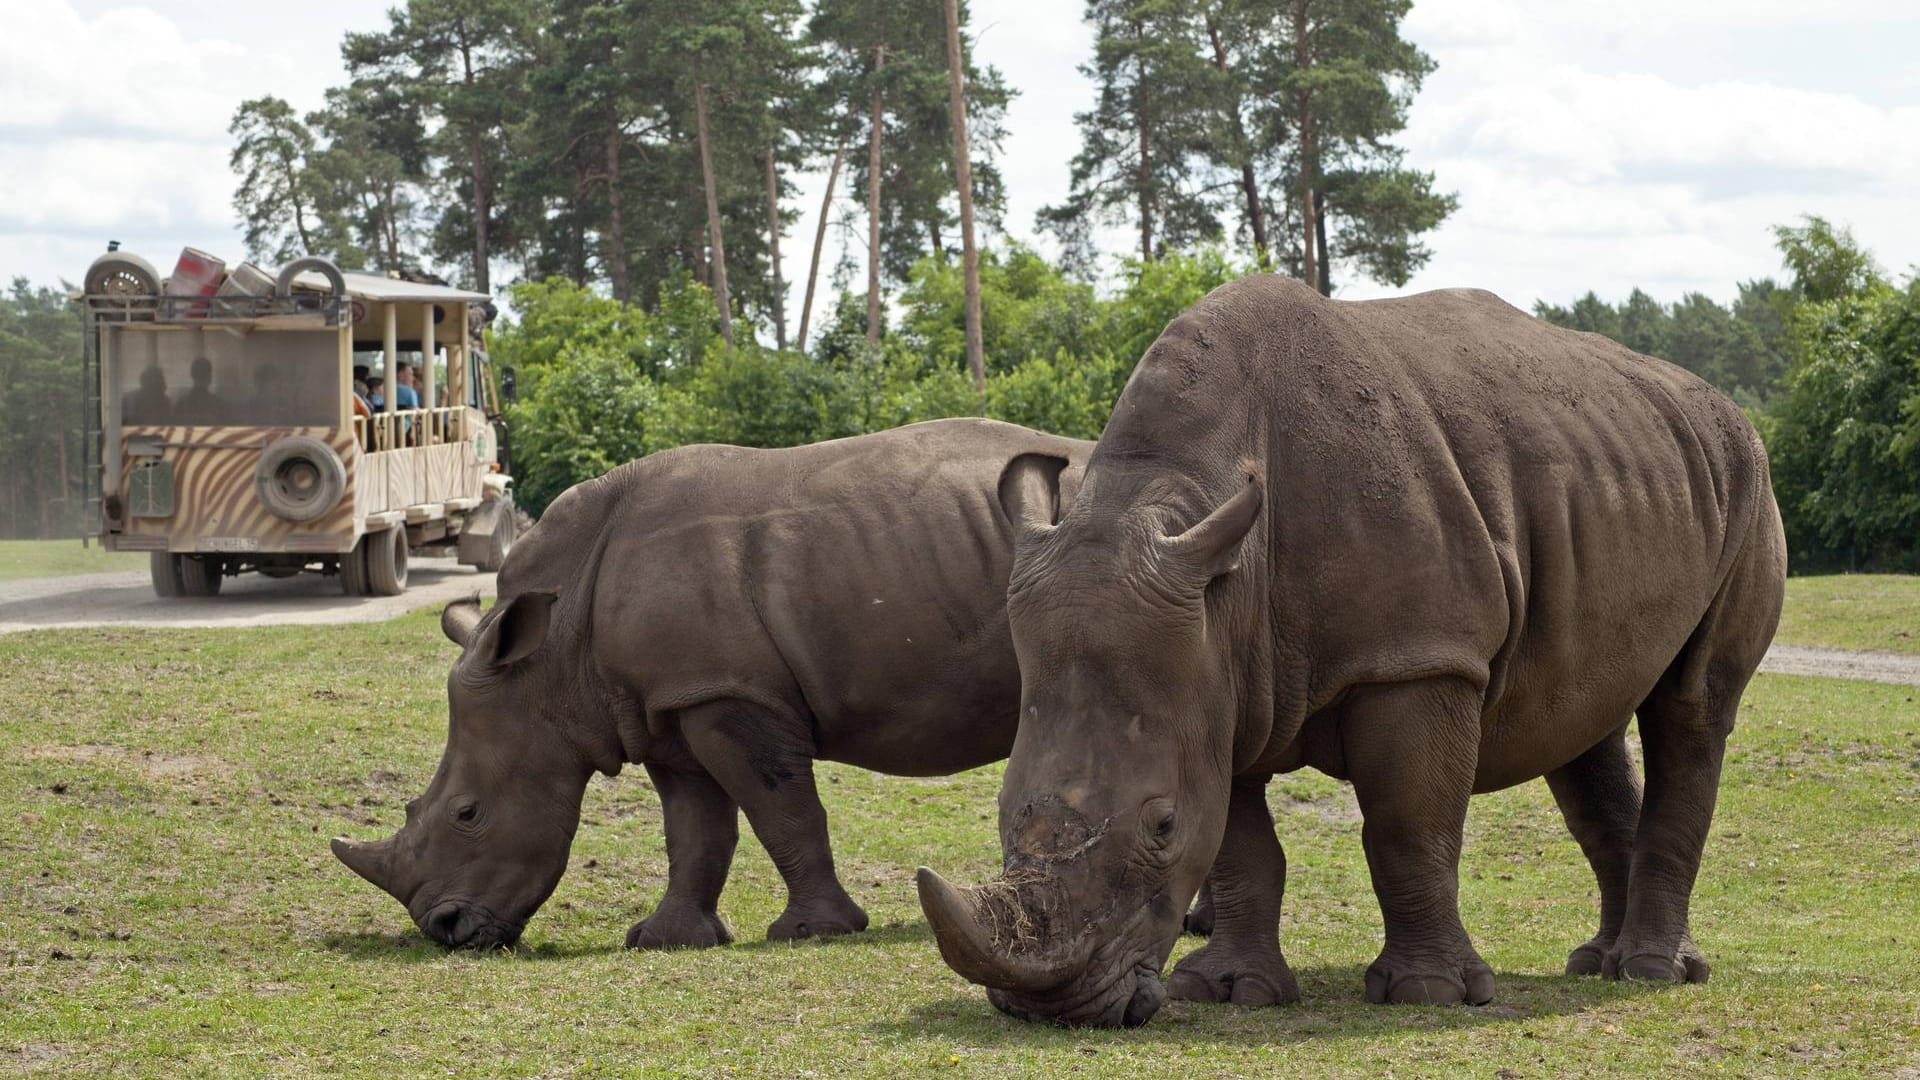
{"x":461,"y":925}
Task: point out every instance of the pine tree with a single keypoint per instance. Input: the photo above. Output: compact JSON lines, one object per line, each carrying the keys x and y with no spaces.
{"x":1142,"y":145}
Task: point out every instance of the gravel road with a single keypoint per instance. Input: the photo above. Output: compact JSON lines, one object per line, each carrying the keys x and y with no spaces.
{"x":126,"y":598}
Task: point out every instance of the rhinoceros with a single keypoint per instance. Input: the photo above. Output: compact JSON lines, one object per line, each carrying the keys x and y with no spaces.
{"x":1430,"y":545}
{"x":724,"y":617}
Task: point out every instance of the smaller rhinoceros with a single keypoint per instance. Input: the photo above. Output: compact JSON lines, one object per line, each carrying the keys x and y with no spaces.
{"x":724,"y":617}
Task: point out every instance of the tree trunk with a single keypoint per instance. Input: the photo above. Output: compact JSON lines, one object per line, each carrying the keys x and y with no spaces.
{"x":819,"y":241}
{"x":617,"y":268}
{"x":482,"y":181}
{"x":1320,"y":230}
{"x":1249,"y":185}
{"x":713,"y":217}
{"x":873,"y":206}
{"x":963,"y":179}
{"x":773,"y":257}
{"x":1142,"y":173}
{"x":1303,"y":59}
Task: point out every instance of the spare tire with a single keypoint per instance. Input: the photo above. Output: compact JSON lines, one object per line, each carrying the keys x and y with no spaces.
{"x":122,"y":274}
{"x":300,"y":478}
{"x":283,"y":286}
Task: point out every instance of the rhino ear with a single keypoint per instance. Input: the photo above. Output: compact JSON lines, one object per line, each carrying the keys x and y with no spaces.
{"x":1213,"y":546}
{"x":459,"y":618}
{"x":516,"y":630}
{"x":1030,"y":492}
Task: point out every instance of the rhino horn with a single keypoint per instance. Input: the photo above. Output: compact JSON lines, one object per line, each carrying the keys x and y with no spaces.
{"x":969,"y":950}
{"x":371,"y":860}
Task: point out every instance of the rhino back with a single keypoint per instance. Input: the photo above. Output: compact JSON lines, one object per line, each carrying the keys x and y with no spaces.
{"x":1454,"y":486}
{"x":859,"y":583}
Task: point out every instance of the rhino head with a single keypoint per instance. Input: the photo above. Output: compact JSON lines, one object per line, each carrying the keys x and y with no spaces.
{"x":1115,"y":796}
{"x":487,"y":843}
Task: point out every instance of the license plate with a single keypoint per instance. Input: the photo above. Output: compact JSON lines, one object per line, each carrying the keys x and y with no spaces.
{"x":227,"y":543}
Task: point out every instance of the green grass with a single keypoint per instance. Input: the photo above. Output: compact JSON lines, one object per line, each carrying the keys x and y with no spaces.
{"x":1853,"y":611}
{"x":168,"y":906}
{"x":55,"y":558}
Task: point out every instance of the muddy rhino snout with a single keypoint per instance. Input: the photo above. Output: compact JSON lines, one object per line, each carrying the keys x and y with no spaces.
{"x":458,"y":924}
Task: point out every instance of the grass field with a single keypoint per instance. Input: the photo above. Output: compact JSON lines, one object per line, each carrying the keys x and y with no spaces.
{"x":57,"y":558}
{"x":168,"y":906}
{"x":1853,"y":611}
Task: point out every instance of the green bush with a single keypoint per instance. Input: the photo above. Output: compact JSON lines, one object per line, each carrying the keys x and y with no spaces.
{"x":1845,"y":437}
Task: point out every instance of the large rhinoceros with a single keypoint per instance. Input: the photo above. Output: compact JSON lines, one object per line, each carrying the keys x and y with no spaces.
{"x":723,"y":616}
{"x":1430,"y":545}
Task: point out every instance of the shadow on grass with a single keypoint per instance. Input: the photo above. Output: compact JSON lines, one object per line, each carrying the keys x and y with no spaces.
{"x":1332,"y":1009}
{"x":411,"y":947}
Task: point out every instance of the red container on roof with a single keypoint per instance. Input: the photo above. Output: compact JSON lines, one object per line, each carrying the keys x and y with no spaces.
{"x":196,"y":274}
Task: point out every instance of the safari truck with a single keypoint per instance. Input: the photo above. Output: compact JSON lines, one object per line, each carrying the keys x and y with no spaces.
{"x":225,"y":434}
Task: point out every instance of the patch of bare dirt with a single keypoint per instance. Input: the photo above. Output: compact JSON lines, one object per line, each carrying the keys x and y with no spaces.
{"x":153,"y":764}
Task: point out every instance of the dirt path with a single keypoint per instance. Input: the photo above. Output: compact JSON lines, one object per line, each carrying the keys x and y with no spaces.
{"x":126,"y":599}
{"x":1843,"y":664}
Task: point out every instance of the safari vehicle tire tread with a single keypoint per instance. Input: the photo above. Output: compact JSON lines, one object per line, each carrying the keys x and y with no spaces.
{"x":166,"y":574}
{"x":353,"y":568}
{"x":387,"y":562}
{"x":502,"y":542}
{"x":200,"y":575}
{"x":328,"y":489}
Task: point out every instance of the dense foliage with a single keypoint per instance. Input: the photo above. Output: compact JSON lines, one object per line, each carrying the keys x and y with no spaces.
{"x":1828,"y":365}
{"x":39,"y":413}
{"x":604,"y":381}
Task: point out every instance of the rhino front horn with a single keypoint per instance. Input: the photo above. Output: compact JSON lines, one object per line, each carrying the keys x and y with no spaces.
{"x":373,"y":861}
{"x":970,"y":950}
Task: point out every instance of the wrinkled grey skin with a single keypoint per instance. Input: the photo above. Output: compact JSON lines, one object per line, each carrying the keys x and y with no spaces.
{"x":724,"y":617}
{"x":1430,"y":545}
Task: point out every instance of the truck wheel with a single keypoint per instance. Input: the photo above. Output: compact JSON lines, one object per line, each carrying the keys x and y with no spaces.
{"x":200,"y":575}
{"x":387,"y":562}
{"x":166,"y":573}
{"x":501,"y":543}
{"x":353,"y":569}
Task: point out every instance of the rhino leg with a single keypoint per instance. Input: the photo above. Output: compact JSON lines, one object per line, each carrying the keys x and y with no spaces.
{"x":765,"y":762}
{"x":1242,"y":962}
{"x":1599,"y":795}
{"x":1410,"y":751}
{"x":702,"y":829}
{"x":1200,"y":916}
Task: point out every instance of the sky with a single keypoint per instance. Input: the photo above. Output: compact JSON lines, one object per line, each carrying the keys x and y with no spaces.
{"x":1592,"y":145}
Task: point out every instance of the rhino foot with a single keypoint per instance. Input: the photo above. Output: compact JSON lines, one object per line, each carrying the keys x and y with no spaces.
{"x":1589,"y":958}
{"x":824,"y":919}
{"x":1239,"y":975}
{"x":1410,"y":979}
{"x":1684,"y":964}
{"x":673,"y":926}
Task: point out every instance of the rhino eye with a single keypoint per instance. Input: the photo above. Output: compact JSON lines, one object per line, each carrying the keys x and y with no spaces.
{"x":467,"y":813}
{"x":1159,"y":822}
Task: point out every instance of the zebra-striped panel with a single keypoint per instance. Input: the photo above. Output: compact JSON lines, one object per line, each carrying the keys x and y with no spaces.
{"x":214,"y":504}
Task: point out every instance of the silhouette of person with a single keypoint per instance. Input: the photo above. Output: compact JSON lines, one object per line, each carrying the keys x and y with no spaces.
{"x":200,"y":405}
{"x":149,"y":404}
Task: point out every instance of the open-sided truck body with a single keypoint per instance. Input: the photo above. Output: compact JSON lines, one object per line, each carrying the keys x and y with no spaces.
{"x":231,"y":439}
